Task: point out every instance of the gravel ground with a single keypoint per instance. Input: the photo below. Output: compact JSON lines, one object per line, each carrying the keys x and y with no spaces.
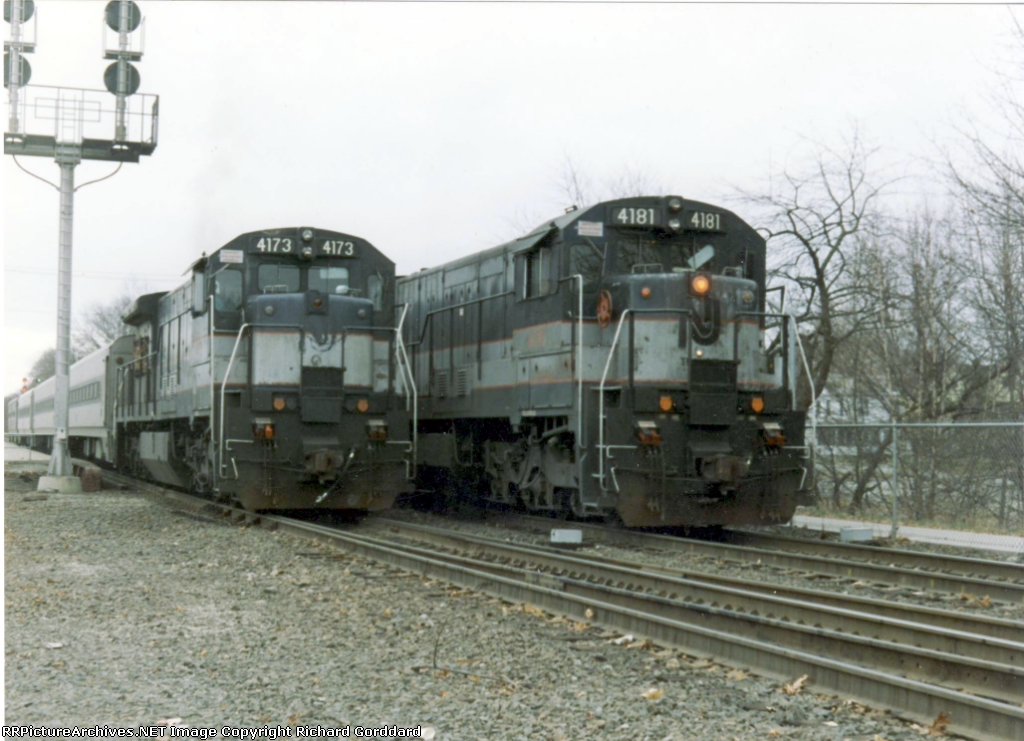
{"x":121,"y":610}
{"x":661,"y":556}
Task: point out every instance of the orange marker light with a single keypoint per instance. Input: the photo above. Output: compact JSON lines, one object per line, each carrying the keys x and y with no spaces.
{"x":757,"y":404}
{"x":665,"y":403}
{"x":700,"y":284}
{"x":279,"y":404}
{"x":645,"y":292}
{"x":268,"y":432}
{"x":363,"y":405}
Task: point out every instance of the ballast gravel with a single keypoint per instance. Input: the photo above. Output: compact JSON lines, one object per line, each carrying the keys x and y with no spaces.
{"x":123,"y":611}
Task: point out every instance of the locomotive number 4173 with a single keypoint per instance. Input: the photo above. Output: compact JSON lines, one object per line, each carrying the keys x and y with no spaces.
{"x":338,"y":248}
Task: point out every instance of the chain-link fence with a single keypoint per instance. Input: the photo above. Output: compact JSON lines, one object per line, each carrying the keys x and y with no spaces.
{"x":909,"y":478}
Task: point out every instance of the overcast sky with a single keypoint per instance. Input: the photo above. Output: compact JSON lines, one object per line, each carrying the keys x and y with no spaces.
{"x":429,"y":129}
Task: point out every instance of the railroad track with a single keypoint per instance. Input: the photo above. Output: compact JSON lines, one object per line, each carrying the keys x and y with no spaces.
{"x":743,"y":629}
{"x":919,"y":571}
{"x":931,"y":562}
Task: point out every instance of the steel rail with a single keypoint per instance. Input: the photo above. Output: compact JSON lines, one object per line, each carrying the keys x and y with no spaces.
{"x":938,"y":562}
{"x":998,"y":629}
{"x":964,"y":660}
{"x":971,"y":716}
{"x":922,"y":580}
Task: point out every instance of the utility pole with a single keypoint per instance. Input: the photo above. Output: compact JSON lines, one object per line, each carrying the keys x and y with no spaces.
{"x":51,"y":122}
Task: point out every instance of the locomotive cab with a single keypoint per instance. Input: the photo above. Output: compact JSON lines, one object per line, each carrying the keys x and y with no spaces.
{"x":291,"y":395}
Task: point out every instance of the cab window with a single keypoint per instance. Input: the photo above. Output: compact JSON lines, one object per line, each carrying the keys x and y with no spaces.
{"x":586,"y":260}
{"x":537,"y":277}
{"x":228,"y":290}
{"x":329,"y":279}
{"x":278,"y":278}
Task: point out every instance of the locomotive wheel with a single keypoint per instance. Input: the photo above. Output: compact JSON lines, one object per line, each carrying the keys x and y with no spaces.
{"x":604,"y":309}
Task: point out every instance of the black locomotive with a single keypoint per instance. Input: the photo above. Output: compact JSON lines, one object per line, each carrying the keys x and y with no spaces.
{"x":614,"y":362}
{"x":267,"y":379}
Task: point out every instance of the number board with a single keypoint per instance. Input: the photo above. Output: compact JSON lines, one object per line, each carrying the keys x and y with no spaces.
{"x":635,"y":216}
{"x":267,"y":245}
{"x":702,"y":221}
{"x":336,"y":248}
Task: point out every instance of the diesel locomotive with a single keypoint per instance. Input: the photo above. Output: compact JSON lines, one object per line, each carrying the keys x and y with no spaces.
{"x":618,"y":361}
{"x":267,"y":379}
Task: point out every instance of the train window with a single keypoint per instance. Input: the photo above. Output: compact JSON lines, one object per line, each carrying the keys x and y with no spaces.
{"x":647,"y":255}
{"x":375,"y":291}
{"x":329,"y":279}
{"x":586,"y":260}
{"x":537,"y":273}
{"x":273,"y":278}
{"x":228,"y":290}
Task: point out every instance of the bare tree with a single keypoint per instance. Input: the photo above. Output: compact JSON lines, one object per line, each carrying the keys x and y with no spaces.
{"x":44,"y":367}
{"x":986,"y":177}
{"x":101,"y":324}
{"x":819,"y":217}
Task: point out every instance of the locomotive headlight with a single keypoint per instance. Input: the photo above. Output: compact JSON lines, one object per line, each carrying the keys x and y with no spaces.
{"x":665,"y":403}
{"x":269,"y":311}
{"x":279,"y":404}
{"x":648,"y":433}
{"x":700,"y":285}
{"x":363,"y":406}
{"x":675,"y":224}
{"x":747,"y":297}
{"x":757,"y":404}
{"x":675,"y":206}
{"x":307,"y":235}
{"x":306,"y":253}
{"x":645,"y":292}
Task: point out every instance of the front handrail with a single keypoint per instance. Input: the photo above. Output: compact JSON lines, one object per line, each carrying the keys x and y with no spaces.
{"x":601,"y":447}
{"x":223,"y":387}
{"x":410,"y":383}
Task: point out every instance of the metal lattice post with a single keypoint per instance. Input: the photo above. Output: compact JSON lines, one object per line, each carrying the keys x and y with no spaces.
{"x":120,"y":128}
{"x":14,"y":69}
{"x":894,"y":532}
{"x":60,"y":460}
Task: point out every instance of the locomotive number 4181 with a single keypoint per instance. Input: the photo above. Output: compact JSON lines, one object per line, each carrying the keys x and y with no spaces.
{"x":704,"y":221}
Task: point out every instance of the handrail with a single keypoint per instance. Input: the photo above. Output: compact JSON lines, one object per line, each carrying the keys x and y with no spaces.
{"x":410,"y":384}
{"x":600,"y":405}
{"x":223,"y":386}
{"x":601,"y":447}
{"x":123,"y":371}
{"x":579,"y":384}
{"x":428,"y":317}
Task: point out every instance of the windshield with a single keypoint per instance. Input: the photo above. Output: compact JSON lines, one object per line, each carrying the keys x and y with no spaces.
{"x":278,"y":278}
{"x":647,"y":254}
{"x":329,"y":280}
{"x":228,"y":290}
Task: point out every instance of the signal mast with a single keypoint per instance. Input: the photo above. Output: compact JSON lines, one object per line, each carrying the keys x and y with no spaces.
{"x":48,"y":121}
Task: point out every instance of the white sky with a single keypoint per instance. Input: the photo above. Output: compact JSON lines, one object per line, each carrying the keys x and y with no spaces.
{"x":428,"y":128}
